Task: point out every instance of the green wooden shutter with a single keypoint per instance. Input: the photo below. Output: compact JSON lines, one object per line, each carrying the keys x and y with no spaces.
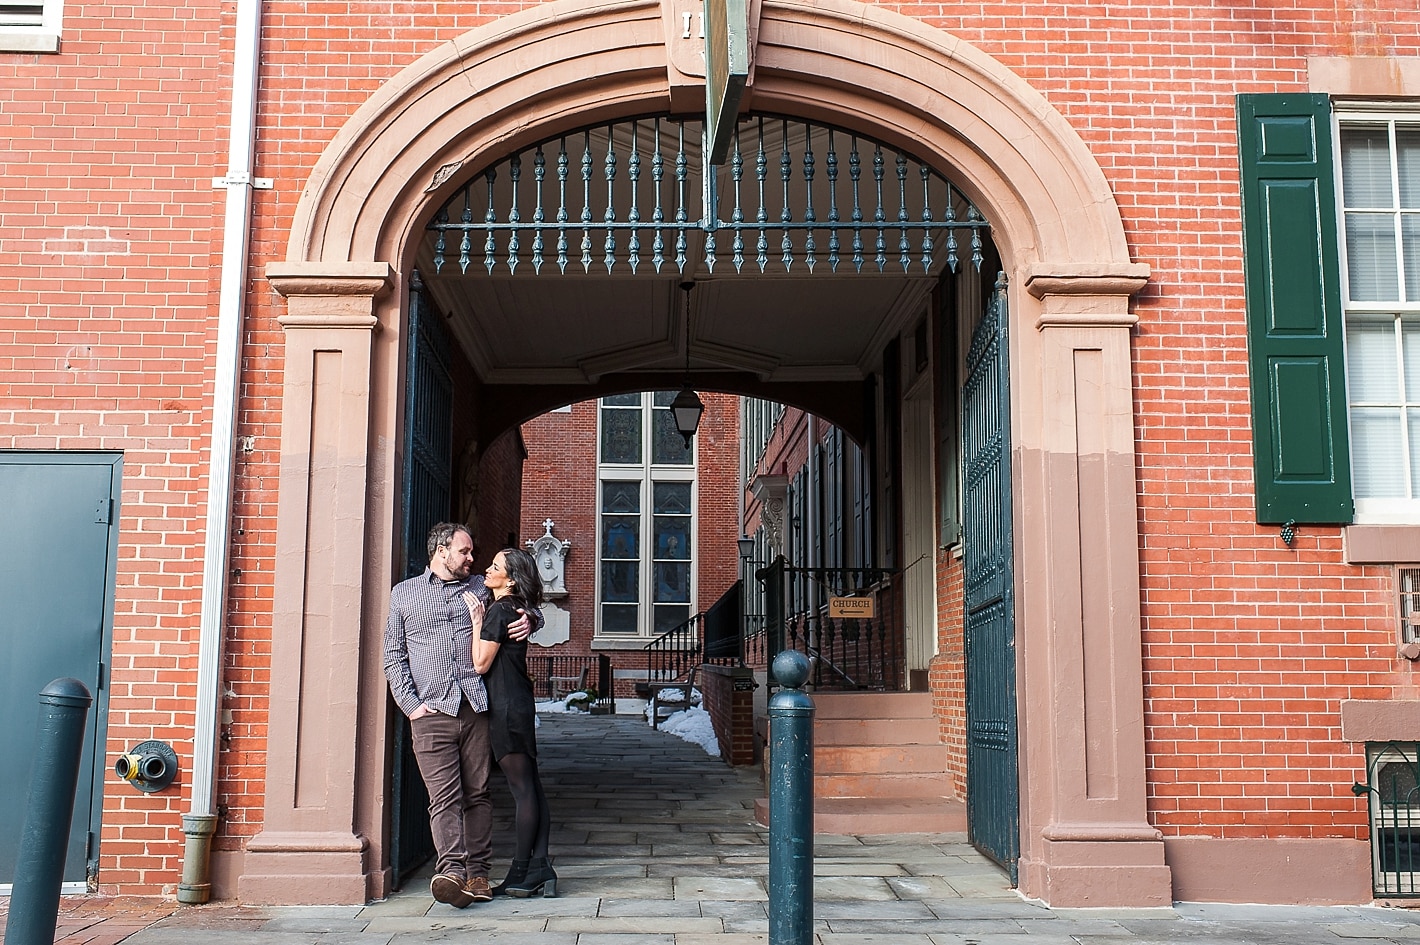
{"x":1295,"y":341}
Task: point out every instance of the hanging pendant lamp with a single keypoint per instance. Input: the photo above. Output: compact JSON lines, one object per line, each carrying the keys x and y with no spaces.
{"x":686,"y":408}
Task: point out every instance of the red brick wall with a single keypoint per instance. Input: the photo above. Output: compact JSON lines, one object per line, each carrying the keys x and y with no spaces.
{"x":947,"y":672}
{"x":784,"y":455}
{"x":731,"y":710}
{"x":109,"y":230}
{"x":500,"y":494}
{"x":560,"y":483}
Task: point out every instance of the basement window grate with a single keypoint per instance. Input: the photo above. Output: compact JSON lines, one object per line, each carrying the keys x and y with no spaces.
{"x":1407,"y":586}
{"x":1393,"y":793}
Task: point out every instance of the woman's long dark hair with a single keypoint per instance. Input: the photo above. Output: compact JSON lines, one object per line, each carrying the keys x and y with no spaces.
{"x":522,"y":571}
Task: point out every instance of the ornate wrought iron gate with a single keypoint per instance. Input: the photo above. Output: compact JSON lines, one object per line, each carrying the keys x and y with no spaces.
{"x":428,"y":457}
{"x":992,"y":789}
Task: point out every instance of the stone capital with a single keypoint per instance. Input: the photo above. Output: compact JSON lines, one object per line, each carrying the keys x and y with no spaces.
{"x":330,"y":295}
{"x":1085,"y":296}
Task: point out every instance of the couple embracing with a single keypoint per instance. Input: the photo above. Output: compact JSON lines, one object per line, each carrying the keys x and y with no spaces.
{"x":455,"y":657}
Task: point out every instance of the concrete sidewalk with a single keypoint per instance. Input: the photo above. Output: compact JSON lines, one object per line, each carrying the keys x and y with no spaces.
{"x":654,"y":844}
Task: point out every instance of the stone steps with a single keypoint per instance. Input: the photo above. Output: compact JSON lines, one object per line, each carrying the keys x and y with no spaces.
{"x":879,"y":767}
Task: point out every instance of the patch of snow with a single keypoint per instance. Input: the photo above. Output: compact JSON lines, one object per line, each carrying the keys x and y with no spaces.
{"x":693,"y":725}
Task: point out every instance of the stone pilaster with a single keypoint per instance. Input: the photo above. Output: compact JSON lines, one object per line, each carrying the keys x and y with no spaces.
{"x":310,"y":849}
{"x":1086,"y":839}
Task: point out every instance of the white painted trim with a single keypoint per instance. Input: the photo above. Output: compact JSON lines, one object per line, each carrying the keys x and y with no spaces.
{"x":65,"y":889}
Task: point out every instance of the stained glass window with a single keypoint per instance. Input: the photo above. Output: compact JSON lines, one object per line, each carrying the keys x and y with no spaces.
{"x":647,"y":502}
{"x":620,"y":556}
{"x":672,"y":498}
{"x":671,"y":523}
{"x":621,"y":429}
{"x":667,"y":445}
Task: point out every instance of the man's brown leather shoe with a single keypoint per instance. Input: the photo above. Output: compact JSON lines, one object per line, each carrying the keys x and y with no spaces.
{"x":477,"y":889}
{"x":448,"y":888}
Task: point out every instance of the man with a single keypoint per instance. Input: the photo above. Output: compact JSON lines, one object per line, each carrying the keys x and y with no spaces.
{"x":429,"y":665}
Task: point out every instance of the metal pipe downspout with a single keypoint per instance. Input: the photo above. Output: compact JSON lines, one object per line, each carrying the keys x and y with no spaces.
{"x":200,"y":823}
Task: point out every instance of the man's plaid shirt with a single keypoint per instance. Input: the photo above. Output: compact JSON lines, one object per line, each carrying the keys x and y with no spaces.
{"x":429,"y":644}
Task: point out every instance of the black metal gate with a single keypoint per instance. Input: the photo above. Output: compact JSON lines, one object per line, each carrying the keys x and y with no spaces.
{"x":428,"y":458}
{"x":992,"y":790}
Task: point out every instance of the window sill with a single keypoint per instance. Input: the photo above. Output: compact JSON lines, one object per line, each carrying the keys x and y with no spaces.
{"x":33,"y":42}
{"x":1380,"y":720}
{"x":620,"y":643}
{"x":1381,"y":544}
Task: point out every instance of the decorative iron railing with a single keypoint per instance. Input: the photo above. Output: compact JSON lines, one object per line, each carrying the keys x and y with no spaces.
{"x":756,"y":642}
{"x":1393,"y":797}
{"x":671,"y":655}
{"x":857,"y":652}
{"x":631,"y":193}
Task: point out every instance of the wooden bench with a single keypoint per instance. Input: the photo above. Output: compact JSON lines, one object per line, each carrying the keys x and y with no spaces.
{"x":563,"y":686}
{"x":672,"y":697}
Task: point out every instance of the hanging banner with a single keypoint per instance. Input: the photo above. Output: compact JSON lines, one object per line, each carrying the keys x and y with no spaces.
{"x":726,"y":68}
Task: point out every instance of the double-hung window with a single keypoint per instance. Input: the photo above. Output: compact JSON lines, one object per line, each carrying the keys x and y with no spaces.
{"x":645,"y":518}
{"x":1379,"y":189}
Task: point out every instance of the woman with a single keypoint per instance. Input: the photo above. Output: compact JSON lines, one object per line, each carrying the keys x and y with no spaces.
{"x":513,"y":580}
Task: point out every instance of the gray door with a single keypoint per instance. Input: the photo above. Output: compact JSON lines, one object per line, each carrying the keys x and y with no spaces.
{"x":992,"y":790}
{"x":58,"y":544}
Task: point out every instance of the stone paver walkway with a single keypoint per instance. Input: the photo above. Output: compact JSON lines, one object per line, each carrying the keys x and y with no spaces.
{"x":654,"y":844}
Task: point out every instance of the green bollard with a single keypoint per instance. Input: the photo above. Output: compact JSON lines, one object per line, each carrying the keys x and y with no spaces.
{"x":39,"y":870}
{"x":791,"y":804}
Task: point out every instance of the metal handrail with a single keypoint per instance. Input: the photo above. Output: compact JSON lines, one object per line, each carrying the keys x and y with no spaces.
{"x":674,"y":651}
{"x":844,"y":652}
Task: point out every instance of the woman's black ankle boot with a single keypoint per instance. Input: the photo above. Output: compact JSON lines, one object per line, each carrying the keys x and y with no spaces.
{"x":539,"y":879}
{"x":516,"y":871}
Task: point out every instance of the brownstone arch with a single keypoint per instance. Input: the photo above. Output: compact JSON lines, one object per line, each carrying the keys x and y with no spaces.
{"x":1084,"y":831}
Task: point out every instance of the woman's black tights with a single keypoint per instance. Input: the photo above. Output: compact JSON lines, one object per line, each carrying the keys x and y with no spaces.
{"x":531,"y":821}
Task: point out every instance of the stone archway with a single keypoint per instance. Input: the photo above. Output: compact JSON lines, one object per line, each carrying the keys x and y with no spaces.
{"x":1085,"y":835}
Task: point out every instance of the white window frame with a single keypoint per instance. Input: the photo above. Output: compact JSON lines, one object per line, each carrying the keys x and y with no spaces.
{"x":647,"y":473}
{"x":1373,"y":510}
{"x":25,"y":35}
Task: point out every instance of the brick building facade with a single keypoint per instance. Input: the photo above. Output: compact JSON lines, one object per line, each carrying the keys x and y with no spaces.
{"x":206,"y":292}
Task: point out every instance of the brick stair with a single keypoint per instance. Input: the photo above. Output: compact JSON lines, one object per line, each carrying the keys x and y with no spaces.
{"x":879,"y":767}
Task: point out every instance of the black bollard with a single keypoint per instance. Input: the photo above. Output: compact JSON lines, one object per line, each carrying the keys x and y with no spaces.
{"x":39,"y":870}
{"x":791,"y":804}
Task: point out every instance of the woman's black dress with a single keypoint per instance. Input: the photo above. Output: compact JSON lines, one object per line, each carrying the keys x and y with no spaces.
{"x":511,"y":716}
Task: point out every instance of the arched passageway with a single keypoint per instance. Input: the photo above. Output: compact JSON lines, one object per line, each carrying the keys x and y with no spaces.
{"x":358,"y":236}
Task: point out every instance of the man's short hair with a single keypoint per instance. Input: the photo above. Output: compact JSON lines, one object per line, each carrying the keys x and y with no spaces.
{"x":443,"y":533}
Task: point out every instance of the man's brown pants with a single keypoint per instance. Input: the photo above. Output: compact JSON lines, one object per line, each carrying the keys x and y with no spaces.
{"x":454,"y":758}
